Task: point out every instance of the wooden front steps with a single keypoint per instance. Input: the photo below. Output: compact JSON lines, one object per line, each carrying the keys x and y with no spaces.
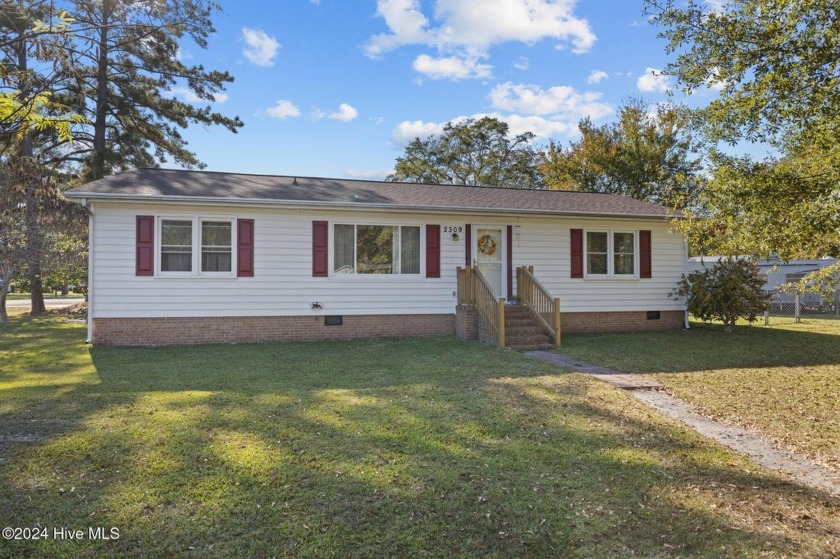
{"x":523,"y":332}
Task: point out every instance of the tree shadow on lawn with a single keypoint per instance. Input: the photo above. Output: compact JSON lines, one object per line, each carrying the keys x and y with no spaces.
{"x":704,"y":347}
{"x":400,"y":448}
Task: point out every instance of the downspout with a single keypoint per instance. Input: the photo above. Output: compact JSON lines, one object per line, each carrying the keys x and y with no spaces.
{"x":89,"y":208}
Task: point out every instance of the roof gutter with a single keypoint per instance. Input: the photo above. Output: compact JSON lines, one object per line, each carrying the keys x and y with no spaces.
{"x":293,"y":204}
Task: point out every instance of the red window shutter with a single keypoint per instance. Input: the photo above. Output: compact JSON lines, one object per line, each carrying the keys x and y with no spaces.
{"x":432,"y":251}
{"x":577,"y":252}
{"x":145,"y":253}
{"x":320,"y":249}
{"x":245,"y":248}
{"x":644,"y":254}
{"x":510,"y":262}
{"x":468,"y":244}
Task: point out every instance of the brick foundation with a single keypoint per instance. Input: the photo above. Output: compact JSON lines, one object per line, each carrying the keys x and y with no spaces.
{"x":466,"y":322}
{"x":243,"y":329}
{"x":470,"y":326}
{"x":620,"y":321}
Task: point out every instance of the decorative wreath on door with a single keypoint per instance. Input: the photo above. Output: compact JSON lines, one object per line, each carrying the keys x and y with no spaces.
{"x":487,"y":245}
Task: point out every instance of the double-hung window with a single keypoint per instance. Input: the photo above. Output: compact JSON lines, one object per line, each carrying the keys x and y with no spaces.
{"x":216,"y":243}
{"x":376,"y":249}
{"x":196,"y":246}
{"x":176,"y":245}
{"x":610,"y":254}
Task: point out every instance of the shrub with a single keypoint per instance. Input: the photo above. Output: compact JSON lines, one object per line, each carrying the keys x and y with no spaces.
{"x":729,"y":290}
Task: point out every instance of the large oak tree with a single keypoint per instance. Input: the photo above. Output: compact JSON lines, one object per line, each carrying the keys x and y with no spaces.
{"x":777,"y":64}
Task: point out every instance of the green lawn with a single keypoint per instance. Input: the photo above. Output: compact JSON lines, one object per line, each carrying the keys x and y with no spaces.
{"x":782,"y":381}
{"x":414,"y":448}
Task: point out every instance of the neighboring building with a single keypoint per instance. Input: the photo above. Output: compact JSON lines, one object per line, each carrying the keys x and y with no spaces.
{"x":196,"y":257}
{"x":779,"y":274}
{"x":778,"y":271}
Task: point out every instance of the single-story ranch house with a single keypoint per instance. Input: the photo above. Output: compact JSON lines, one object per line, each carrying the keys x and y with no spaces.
{"x":197,"y":257}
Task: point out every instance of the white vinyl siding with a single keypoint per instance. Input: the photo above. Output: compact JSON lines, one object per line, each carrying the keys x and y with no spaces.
{"x":283,"y":284}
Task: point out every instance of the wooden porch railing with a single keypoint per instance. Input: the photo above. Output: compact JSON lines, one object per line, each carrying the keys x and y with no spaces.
{"x":474,"y":289}
{"x":537,"y":299}
{"x":466,"y":293}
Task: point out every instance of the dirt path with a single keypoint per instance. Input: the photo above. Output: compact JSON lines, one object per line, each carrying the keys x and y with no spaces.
{"x":757,"y":448}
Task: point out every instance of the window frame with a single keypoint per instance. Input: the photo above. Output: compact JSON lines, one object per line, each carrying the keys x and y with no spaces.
{"x":610,"y":275}
{"x":196,"y":221}
{"x":396,"y":260}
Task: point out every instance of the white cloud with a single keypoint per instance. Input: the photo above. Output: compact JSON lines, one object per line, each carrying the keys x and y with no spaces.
{"x":345,"y":113}
{"x":368,"y":174}
{"x":180,"y":55}
{"x":561,"y":102}
{"x":653,"y":80}
{"x":260,"y":48}
{"x":451,"y":67}
{"x":522,"y":63}
{"x":596,"y":76}
{"x":464,"y":30}
{"x":407,"y":130}
{"x":283,"y":109}
{"x":554,"y":111}
{"x":716,"y":5}
{"x":540,"y":126}
{"x":406,"y":22}
{"x":188,"y":96}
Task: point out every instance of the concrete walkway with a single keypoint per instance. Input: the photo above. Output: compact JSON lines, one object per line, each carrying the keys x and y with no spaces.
{"x":757,"y":448}
{"x":622,"y":380}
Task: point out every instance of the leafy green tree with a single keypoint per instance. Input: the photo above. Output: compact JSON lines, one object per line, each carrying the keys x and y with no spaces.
{"x":644,"y":156}
{"x":729,"y":290}
{"x":776,"y":62}
{"x":471,"y":153}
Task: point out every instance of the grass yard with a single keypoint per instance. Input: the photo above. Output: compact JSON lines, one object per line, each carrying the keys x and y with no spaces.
{"x":780,"y":380}
{"x":413,"y":448}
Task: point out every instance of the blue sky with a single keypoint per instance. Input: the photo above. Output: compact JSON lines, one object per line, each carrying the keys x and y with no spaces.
{"x":337,"y":88}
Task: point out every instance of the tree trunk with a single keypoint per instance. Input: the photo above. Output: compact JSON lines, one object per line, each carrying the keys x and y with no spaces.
{"x":4,"y":292}
{"x":98,"y":163}
{"x":33,"y":232}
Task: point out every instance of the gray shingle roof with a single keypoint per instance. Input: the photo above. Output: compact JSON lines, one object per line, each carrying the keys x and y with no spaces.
{"x":170,"y":184}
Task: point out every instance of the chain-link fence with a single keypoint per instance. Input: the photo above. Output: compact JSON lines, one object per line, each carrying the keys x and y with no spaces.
{"x":795,"y":306}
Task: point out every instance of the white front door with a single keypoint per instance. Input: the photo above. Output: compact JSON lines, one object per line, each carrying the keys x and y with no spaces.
{"x":489,"y":249}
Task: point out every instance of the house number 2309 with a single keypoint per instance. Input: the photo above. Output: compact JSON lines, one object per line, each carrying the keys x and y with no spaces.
{"x":453,"y":229}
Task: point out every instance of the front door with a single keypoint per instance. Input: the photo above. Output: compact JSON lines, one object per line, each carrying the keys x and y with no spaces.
{"x":488,"y":251}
